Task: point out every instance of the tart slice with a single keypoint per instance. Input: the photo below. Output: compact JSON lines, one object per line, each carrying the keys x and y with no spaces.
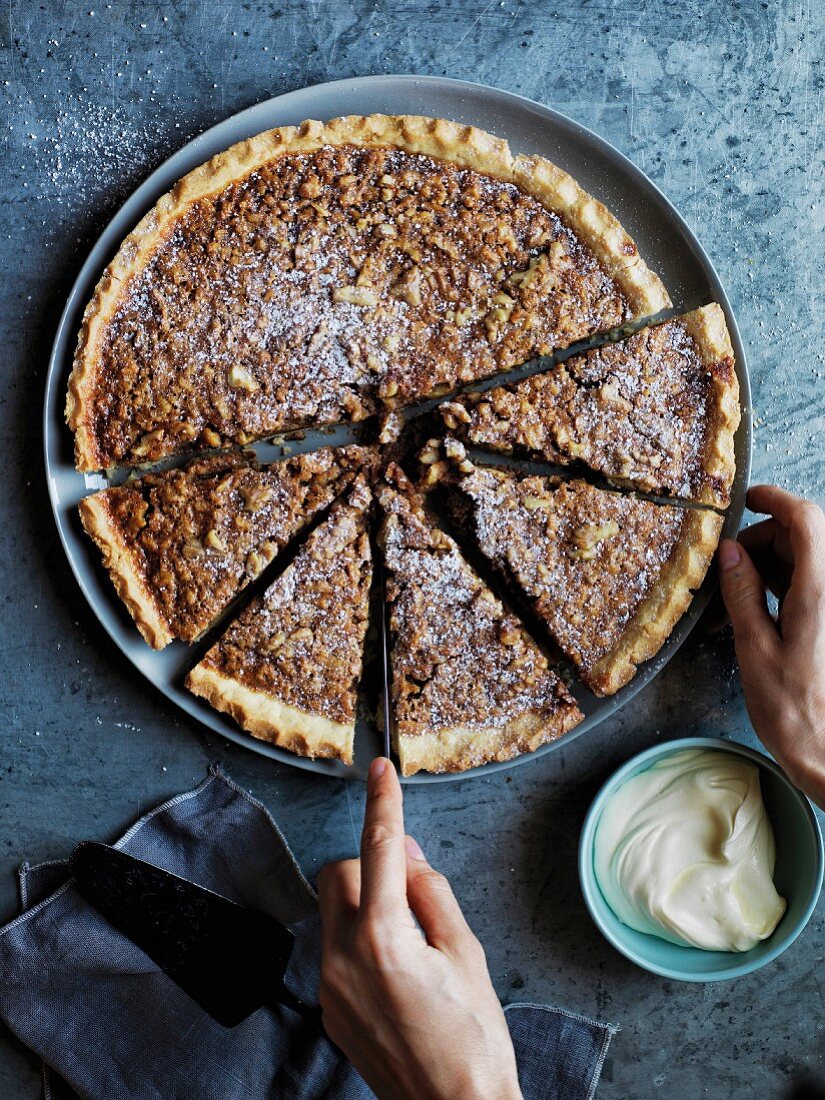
{"x":468,"y":683}
{"x":610,"y":575}
{"x":655,"y":412}
{"x":180,"y":545}
{"x":288,"y":669}
{"x":311,"y":273}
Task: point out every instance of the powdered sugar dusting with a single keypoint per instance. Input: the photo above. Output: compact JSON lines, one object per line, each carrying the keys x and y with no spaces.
{"x":459,"y":659}
{"x":585,"y":557}
{"x":301,"y":642}
{"x":196,"y":536}
{"x":637,"y":411}
{"x":323,"y":283}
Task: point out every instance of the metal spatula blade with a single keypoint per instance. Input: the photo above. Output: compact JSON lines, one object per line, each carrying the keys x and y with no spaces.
{"x":228,"y":958}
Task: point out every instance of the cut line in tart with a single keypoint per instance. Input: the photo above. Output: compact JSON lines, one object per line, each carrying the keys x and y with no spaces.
{"x":287,"y":670}
{"x":181,"y":544}
{"x":608,"y":574}
{"x":469,"y":685}
{"x":655,"y":412}
{"x":313,"y":274}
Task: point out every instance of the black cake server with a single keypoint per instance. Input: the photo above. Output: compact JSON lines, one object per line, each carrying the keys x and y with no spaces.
{"x":228,"y":958}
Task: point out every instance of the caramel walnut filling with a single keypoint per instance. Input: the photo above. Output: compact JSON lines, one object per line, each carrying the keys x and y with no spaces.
{"x":585,"y":557}
{"x":324,"y":283}
{"x":196,"y":536}
{"x":301,"y":642}
{"x":460,"y":661}
{"x":639,"y":411}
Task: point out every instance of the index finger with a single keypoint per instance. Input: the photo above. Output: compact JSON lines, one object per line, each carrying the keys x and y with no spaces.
{"x":802,"y":519}
{"x":339,"y":893}
{"x":383,"y":850}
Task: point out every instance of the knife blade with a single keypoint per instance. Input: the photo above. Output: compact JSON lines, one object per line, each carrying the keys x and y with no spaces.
{"x":229,"y":959}
{"x":385,"y":660}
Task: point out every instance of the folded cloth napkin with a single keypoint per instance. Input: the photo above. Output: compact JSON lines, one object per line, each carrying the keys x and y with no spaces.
{"x":109,"y":1024}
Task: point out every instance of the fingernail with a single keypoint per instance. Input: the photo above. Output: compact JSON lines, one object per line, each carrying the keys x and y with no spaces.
{"x":729,"y":554}
{"x":413,"y":848}
{"x":378,"y":767}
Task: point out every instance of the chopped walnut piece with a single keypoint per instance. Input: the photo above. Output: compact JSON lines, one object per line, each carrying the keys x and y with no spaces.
{"x":213,"y":540}
{"x":410,"y":289}
{"x":255,"y":496}
{"x":192,"y":548}
{"x":385,"y":230}
{"x":595,"y":533}
{"x":241,"y":379}
{"x":355,"y":295}
{"x":390,"y":426}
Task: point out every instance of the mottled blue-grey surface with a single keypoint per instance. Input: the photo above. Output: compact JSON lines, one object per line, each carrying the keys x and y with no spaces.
{"x":722,"y":105}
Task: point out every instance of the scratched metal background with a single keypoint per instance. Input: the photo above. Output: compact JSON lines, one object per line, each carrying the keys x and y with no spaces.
{"x":722,"y":105}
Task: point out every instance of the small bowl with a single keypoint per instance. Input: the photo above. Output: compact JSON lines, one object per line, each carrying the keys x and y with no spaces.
{"x":798,"y":874}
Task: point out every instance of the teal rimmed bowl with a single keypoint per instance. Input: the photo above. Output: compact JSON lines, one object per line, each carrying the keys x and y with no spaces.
{"x":798,"y":874}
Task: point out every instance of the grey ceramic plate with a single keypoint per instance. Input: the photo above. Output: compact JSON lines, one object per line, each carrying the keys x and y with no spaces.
{"x":664,"y":240}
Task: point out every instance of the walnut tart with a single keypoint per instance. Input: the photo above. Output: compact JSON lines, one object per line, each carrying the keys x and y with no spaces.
{"x":656,"y":412}
{"x":288,"y":668}
{"x":315,"y":274}
{"x":609,"y":574}
{"x":469,"y":685}
{"x":180,"y":545}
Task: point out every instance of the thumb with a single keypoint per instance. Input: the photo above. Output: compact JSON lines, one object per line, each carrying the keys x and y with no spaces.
{"x":434,"y":904}
{"x":743,"y":591}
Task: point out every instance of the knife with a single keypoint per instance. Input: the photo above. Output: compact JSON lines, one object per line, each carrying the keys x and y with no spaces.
{"x":385,"y":653}
{"x":229,"y":959}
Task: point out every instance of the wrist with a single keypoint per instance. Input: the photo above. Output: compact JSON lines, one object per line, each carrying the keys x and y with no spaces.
{"x":483,"y":1086}
{"x":502,"y":1090}
{"x":508,"y":1091}
{"x":808,"y":774}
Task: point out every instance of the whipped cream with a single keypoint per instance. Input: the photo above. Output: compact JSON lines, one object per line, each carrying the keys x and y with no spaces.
{"x":685,"y":851}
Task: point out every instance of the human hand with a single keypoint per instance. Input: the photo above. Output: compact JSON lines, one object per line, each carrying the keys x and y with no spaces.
{"x":413,"y":1009}
{"x":782,"y":661}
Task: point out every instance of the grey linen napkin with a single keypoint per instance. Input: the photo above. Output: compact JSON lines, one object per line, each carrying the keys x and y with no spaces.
{"x":109,"y":1024}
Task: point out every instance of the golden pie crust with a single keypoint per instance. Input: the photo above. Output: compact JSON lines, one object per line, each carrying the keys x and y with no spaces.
{"x":287,"y":670}
{"x":180,"y":545}
{"x":609,"y":574}
{"x":332,"y":272}
{"x":468,"y":683}
{"x":471,"y":263}
{"x":656,"y":411}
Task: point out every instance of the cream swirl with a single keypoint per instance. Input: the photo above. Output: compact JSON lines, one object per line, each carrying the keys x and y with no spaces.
{"x":685,"y":851}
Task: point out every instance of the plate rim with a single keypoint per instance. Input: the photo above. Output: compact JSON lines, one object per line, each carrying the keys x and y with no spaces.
{"x":141,"y":199}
